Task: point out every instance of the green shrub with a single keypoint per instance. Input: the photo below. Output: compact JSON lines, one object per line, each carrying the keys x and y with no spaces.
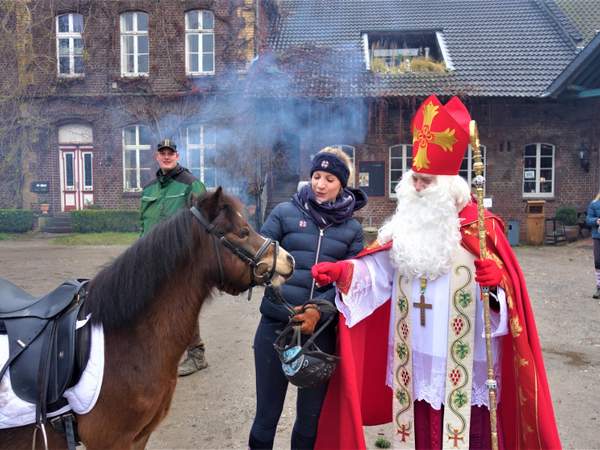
{"x":16,"y":220}
{"x":567,"y":215}
{"x":100,"y":220}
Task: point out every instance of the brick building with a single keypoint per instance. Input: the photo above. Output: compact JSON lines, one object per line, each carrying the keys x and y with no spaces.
{"x":97,"y":84}
{"x":264,"y":84}
{"x":509,"y":61}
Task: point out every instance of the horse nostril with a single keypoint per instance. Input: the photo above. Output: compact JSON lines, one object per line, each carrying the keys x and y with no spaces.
{"x":290,"y":259}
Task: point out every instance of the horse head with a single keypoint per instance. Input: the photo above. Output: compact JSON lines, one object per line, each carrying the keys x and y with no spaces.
{"x":256,"y":259}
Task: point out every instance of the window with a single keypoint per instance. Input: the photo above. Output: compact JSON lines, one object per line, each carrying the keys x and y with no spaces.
{"x":138,"y":158}
{"x":538,"y":170}
{"x":466,"y":167}
{"x":87,"y":171}
{"x":199,"y":42}
{"x":400,"y":162}
{"x":200,"y":154}
{"x":393,"y":52}
{"x":69,"y":45}
{"x":134,"y":44}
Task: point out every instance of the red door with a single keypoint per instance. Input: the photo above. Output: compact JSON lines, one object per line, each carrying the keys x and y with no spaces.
{"x":76,"y":177}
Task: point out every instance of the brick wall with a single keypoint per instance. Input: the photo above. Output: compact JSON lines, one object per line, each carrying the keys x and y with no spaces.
{"x":505,"y":127}
{"x":108,"y":102}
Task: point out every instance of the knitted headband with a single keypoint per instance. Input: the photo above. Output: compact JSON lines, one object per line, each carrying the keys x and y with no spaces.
{"x":328,"y":162}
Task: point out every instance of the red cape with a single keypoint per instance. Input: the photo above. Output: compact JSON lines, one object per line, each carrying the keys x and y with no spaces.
{"x":357,"y":394}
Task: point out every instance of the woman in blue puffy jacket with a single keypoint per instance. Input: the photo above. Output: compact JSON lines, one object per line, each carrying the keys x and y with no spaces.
{"x":593,"y":221}
{"x":315,"y":226}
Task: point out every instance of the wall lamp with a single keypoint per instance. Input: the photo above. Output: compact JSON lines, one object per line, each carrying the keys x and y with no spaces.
{"x":584,"y":157}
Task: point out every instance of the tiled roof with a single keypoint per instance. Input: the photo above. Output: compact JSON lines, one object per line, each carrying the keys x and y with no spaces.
{"x":584,"y":14}
{"x":497,"y":47}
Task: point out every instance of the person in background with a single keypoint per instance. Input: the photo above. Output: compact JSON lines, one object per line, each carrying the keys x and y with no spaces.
{"x":161,"y":198}
{"x":316,"y":225}
{"x":593,"y":221}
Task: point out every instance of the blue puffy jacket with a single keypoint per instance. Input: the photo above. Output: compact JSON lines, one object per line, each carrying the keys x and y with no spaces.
{"x":296,"y":231}
{"x":593,"y":214}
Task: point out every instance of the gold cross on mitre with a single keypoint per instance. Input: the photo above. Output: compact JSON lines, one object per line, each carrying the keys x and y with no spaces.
{"x":445,"y":139}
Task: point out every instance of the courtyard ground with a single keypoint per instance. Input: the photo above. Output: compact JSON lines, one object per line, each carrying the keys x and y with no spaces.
{"x":213,"y":409}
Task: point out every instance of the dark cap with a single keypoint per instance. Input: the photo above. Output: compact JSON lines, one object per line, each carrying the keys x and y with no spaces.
{"x":328,"y":162}
{"x":166,"y":143}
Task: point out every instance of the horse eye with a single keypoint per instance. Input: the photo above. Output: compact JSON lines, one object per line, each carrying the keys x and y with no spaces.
{"x":244,"y":232}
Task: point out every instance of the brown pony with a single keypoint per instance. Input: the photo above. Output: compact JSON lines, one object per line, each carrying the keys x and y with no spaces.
{"x":148,"y":302}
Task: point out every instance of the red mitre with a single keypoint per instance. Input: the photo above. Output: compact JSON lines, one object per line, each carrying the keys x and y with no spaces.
{"x":440,"y":136}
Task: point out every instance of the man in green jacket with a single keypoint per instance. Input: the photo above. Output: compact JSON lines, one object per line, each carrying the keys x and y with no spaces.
{"x":161,"y":198}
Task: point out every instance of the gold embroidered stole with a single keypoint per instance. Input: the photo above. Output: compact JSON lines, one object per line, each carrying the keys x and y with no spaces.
{"x":459,"y":362}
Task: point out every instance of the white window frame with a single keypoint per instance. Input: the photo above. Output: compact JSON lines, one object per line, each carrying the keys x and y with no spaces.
{"x":469,"y":158}
{"x":538,"y":152}
{"x":71,"y":154}
{"x":137,"y":147}
{"x":203,"y":147}
{"x":71,"y":36}
{"x":199,"y":32}
{"x":87,"y":187}
{"x":406,"y":166}
{"x":136,"y":37}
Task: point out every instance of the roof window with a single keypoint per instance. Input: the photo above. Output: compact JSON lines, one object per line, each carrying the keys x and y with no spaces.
{"x":403,"y":52}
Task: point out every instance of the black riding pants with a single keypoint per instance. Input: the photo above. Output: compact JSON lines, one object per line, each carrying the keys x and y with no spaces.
{"x":271,"y":387}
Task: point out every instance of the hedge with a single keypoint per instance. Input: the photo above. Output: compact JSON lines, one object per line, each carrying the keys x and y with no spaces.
{"x":16,"y":220}
{"x":98,"y":220}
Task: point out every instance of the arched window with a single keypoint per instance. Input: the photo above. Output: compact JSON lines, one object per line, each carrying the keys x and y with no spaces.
{"x":538,"y":170}
{"x":69,"y":45}
{"x":138,"y":161}
{"x":135,"y":50}
{"x":199,"y":42}
{"x":400,"y":162}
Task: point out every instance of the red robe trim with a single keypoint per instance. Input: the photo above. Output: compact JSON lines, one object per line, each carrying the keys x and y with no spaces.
{"x":357,"y":393}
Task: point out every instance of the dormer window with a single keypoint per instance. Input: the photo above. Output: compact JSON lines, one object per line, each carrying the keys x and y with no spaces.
{"x":403,"y":52}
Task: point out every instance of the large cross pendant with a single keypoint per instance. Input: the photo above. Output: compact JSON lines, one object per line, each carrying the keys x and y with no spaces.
{"x":422,"y":305}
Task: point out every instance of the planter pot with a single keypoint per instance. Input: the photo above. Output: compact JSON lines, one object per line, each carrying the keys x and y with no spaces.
{"x":571,"y":232}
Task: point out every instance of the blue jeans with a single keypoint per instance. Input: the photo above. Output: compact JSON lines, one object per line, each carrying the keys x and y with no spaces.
{"x":271,"y":387}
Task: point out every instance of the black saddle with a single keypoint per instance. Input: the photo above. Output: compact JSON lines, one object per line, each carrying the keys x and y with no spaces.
{"x":46,"y":353}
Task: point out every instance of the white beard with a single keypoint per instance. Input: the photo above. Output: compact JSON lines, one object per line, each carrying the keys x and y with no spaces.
{"x":425,"y":229}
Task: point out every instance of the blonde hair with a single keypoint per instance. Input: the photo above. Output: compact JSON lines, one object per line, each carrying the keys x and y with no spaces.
{"x":597,"y":197}
{"x":337,"y":151}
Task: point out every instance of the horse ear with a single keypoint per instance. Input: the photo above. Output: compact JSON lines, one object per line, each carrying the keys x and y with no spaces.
{"x":213,"y":203}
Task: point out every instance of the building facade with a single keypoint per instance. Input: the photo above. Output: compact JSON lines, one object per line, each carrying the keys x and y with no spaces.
{"x":250,"y":89}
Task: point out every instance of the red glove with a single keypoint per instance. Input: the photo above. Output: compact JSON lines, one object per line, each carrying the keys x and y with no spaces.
{"x":487,"y":272}
{"x":326,"y":273}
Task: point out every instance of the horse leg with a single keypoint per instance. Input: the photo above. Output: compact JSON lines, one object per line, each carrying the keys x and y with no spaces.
{"x":140,"y":443}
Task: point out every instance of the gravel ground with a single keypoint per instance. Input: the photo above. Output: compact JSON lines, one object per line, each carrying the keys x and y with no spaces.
{"x":213,"y":409}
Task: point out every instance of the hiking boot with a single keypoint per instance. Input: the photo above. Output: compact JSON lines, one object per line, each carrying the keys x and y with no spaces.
{"x":193,"y":362}
{"x":597,"y":294}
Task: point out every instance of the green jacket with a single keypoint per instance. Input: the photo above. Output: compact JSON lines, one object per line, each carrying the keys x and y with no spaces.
{"x":166,"y":195}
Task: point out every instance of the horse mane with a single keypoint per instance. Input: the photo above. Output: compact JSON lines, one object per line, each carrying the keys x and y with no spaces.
{"x":121,"y":291}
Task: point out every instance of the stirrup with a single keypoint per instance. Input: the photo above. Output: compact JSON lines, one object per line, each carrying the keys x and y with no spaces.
{"x":42,"y":427}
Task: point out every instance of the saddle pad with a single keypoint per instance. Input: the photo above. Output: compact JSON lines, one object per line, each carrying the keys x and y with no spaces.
{"x":82,"y":397}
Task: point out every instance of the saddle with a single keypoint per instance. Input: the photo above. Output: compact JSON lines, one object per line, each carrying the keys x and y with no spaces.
{"x":46,"y":353}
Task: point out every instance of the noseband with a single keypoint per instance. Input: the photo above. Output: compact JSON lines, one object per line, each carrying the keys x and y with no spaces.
{"x":239,"y":251}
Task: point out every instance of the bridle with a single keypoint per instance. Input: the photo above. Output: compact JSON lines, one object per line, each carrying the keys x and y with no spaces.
{"x":252,"y":260}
